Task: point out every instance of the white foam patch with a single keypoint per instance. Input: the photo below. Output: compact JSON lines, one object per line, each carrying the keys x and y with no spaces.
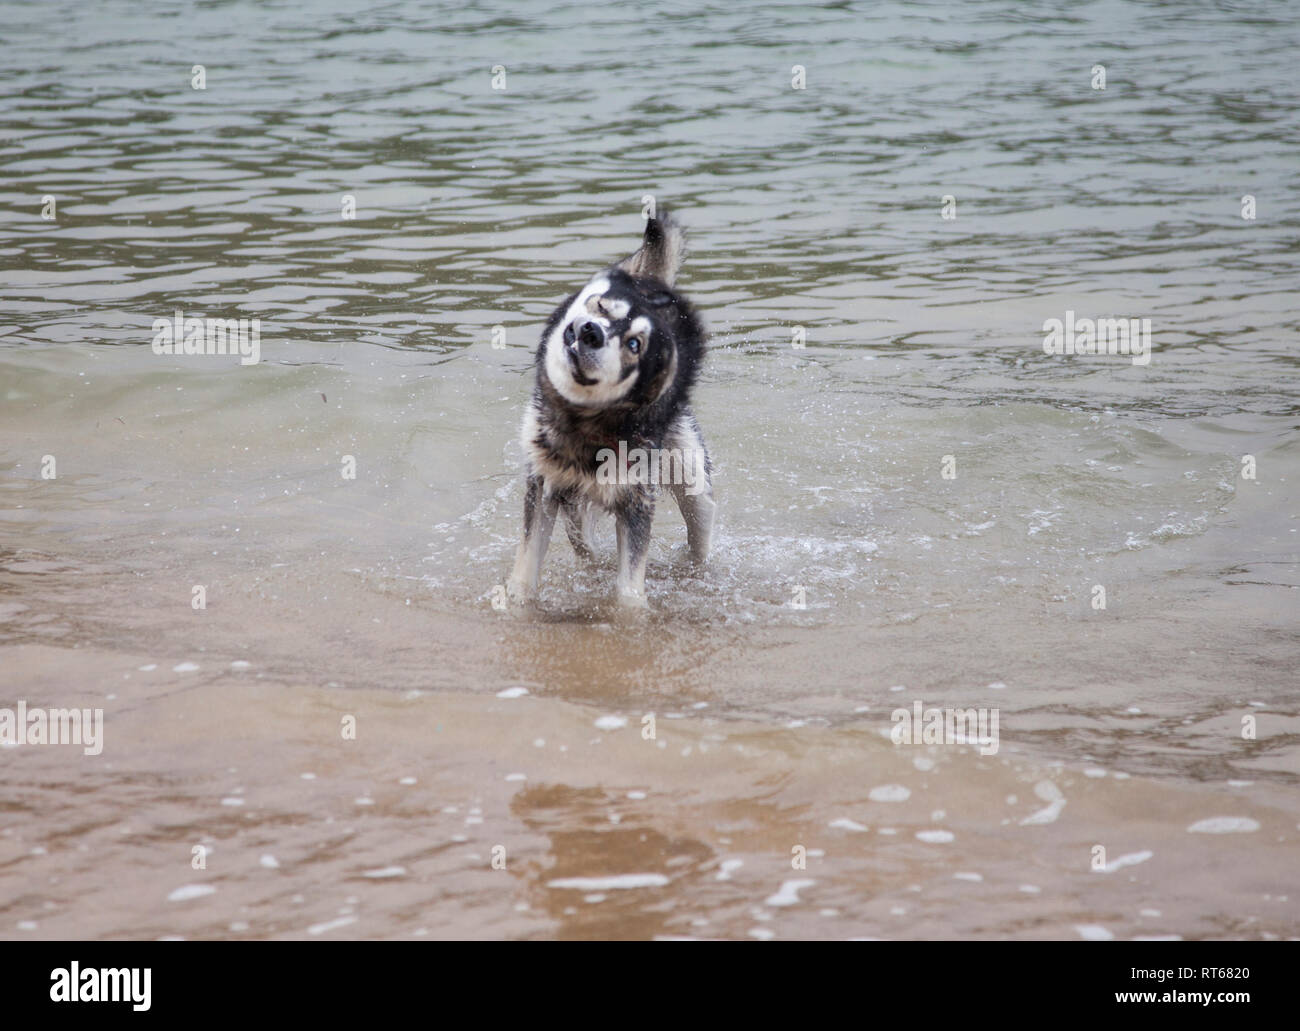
{"x":269,"y":861}
{"x":513,"y":692}
{"x":383,"y":873}
{"x":965,"y":876}
{"x":935,"y":837}
{"x":232,"y":800}
{"x":845,"y":824}
{"x":331,"y":925}
{"x":611,"y":722}
{"x":1030,"y":889}
{"x":191,"y":891}
{"x":1047,"y":791}
{"x":185,"y":667}
{"x":1225,"y":825}
{"x":1051,"y":794}
{"x":1048,"y":814}
{"x":788,"y":893}
{"x":1094,"y":932}
{"x":1130,"y":859}
{"x":727,"y":866}
{"x":618,"y":883}
{"x":890,"y":793}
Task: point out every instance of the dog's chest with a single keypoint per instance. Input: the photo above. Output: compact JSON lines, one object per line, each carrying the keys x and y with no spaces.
{"x":568,"y":461}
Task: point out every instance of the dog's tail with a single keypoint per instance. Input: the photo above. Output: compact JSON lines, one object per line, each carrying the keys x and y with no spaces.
{"x":661,"y":252}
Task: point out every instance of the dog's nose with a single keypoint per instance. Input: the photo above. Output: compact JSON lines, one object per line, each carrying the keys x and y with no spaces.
{"x":591,"y":336}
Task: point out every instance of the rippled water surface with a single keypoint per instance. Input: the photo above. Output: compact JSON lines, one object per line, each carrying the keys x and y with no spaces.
{"x":919,"y":505}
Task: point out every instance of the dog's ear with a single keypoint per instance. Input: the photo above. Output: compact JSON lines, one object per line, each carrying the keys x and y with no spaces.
{"x":661,"y":253}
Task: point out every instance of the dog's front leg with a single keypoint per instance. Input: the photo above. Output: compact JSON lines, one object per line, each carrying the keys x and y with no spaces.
{"x":633,"y":527}
{"x":539,"y":520}
{"x":577,"y":524}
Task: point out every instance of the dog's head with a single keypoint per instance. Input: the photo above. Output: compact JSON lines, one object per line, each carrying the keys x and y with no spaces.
{"x":621,"y":341}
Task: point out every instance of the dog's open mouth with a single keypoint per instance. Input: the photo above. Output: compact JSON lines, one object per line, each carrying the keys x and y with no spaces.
{"x":576,"y":369}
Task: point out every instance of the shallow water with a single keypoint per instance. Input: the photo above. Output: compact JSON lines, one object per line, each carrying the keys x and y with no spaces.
{"x":371,"y":597}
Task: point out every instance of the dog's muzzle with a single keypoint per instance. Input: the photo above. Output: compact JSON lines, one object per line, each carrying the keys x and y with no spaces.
{"x":590,"y":336}
{"x":581,"y":343}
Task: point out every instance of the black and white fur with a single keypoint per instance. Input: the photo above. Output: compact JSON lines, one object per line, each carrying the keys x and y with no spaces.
{"x":617,"y":361}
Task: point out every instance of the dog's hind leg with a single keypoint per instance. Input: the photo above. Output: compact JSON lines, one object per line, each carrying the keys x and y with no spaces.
{"x":698,"y":511}
{"x":539,"y":521}
{"x":693,"y":490}
{"x":577,"y":525}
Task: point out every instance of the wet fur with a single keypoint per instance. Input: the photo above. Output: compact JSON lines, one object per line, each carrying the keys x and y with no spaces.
{"x":562,"y":437}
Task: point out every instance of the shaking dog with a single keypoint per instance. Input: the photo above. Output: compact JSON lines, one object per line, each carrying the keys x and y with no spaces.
{"x":610,"y":422}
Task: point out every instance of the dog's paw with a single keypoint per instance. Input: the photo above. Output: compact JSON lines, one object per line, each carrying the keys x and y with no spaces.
{"x":681,"y":559}
{"x":519,"y":593}
{"x":632,"y":601}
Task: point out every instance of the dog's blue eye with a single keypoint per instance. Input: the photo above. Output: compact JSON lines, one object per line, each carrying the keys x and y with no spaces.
{"x":634,"y":344}
{"x":568,"y":333}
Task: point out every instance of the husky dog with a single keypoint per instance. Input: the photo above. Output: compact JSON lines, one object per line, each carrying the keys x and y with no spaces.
{"x":615,"y":368}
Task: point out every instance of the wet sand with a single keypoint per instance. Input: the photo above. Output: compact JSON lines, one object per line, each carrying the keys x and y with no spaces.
{"x":392,"y":834}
